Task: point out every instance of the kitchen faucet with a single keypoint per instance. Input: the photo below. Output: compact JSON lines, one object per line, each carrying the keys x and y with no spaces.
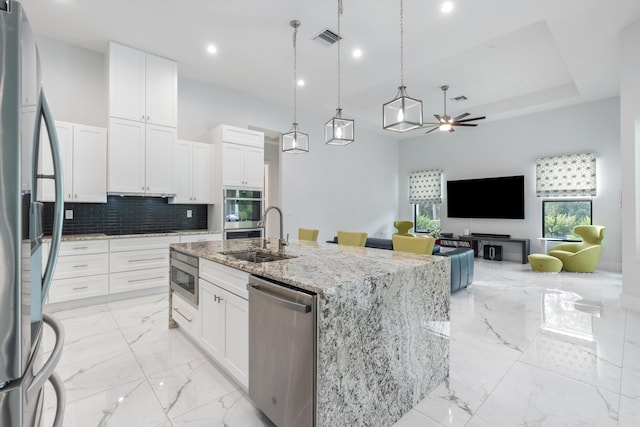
{"x":281,"y":242}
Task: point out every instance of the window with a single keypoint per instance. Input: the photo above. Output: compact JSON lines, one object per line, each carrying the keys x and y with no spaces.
{"x":560,"y":216}
{"x":426,"y":217}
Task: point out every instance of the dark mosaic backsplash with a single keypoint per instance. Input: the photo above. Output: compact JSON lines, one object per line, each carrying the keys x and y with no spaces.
{"x":128,"y":215}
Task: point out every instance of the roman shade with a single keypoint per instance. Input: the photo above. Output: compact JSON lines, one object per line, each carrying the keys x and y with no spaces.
{"x":562,"y":176}
{"x":425,"y":186}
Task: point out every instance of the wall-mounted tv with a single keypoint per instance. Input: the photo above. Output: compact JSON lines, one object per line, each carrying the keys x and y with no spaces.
{"x":500,"y":197}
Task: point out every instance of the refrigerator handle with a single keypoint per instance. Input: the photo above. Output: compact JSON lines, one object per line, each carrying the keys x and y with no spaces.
{"x":44,"y":112}
{"x":58,"y":387}
{"x":49,"y":366}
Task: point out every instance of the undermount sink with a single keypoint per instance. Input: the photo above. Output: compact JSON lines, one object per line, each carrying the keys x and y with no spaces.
{"x":258,"y":256}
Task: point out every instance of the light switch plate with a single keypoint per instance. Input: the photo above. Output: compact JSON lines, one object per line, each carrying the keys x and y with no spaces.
{"x":189,"y":213}
{"x":68,"y":214}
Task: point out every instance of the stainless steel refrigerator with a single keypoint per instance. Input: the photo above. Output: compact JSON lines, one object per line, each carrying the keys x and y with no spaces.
{"x":24,"y":277}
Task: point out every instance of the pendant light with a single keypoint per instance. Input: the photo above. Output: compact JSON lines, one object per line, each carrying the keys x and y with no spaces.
{"x":295,"y":141}
{"x":403,"y":113}
{"x":338,"y":130}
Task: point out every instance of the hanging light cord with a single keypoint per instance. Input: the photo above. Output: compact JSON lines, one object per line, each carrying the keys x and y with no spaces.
{"x":339,"y":37}
{"x":295,"y":74}
{"x":401,"y":43}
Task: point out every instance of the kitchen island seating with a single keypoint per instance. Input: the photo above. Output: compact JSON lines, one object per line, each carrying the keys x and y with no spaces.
{"x":310,"y":234}
{"x":352,"y":238}
{"x":417,"y":245}
{"x":403,"y":228}
{"x":581,"y":257}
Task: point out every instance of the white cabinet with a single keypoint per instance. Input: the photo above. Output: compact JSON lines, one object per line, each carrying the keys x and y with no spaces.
{"x":239,"y":156}
{"x":142,"y":87}
{"x":224,"y":316}
{"x":83,"y":151}
{"x":140,"y":158}
{"x":187,"y":238}
{"x":186,"y":315}
{"x":192,"y":165}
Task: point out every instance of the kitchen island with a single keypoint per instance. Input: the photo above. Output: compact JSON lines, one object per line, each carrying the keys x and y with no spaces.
{"x":382,"y":323}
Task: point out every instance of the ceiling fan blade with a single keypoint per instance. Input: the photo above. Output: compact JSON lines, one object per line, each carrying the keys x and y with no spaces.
{"x":438,"y":117}
{"x":461,"y":116}
{"x":429,"y":131}
{"x":471,"y":119}
{"x":425,"y":124}
{"x":465,"y":124}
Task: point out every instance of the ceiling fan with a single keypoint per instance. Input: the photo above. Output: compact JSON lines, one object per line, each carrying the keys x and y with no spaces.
{"x":447,"y":123}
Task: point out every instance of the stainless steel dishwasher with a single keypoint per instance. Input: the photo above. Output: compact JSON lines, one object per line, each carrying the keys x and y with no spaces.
{"x":282,"y":352}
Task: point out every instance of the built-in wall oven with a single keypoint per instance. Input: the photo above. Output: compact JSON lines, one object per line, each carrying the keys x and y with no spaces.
{"x":184,"y":275}
{"x":242,"y":211}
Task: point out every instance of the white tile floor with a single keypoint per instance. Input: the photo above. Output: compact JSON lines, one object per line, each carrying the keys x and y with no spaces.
{"x":527,"y":349}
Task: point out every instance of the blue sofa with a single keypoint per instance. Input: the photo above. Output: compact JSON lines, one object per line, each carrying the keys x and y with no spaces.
{"x":461,"y":260}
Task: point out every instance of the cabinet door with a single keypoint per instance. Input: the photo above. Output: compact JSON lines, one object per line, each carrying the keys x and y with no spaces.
{"x":202,"y":164}
{"x":126,"y":154}
{"x":161,"y":91}
{"x":212,"y":320}
{"x":159,"y":159}
{"x":254,"y":167}
{"x":126,"y":82}
{"x":182,"y":156}
{"x":232,"y":165}
{"x":89,"y":164}
{"x":236,"y":321}
{"x":46,"y":188}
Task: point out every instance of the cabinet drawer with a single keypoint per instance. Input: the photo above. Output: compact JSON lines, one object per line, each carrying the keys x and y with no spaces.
{"x":81,"y":265}
{"x":80,"y":247}
{"x":139,"y":260}
{"x":186,"y":315}
{"x":140,"y":243}
{"x":228,"y":278}
{"x":200,"y":237}
{"x":135,"y":280}
{"x":79,"y":287}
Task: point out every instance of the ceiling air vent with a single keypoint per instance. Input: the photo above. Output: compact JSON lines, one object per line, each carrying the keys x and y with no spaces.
{"x":459,"y":98}
{"x":327,"y":37}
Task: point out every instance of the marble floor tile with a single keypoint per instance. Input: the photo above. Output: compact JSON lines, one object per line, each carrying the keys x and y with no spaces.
{"x":530,"y":396}
{"x":526,"y":348}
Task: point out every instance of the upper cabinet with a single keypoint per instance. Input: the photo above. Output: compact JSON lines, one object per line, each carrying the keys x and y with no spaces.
{"x":83,"y":151}
{"x":239,"y":157}
{"x":142,"y":87}
{"x":193,"y":163}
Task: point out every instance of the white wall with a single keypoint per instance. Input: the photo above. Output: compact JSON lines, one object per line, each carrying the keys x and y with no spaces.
{"x":330,"y":188}
{"x":630,"y":151}
{"x":511,"y":147}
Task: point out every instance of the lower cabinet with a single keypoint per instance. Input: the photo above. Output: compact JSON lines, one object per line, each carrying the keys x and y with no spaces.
{"x":186,"y":315}
{"x":224,"y":318}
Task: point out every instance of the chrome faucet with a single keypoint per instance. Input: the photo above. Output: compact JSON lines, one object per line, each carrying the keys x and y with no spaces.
{"x":281,"y":242}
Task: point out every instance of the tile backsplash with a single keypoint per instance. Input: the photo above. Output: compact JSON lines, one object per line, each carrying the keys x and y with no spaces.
{"x":127,"y":215}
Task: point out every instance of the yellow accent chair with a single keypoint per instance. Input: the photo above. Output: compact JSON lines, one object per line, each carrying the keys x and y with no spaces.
{"x":417,"y":245}
{"x":403,"y":228}
{"x":581,"y":257}
{"x":310,"y":234}
{"x":352,"y":238}
{"x":544,"y":263}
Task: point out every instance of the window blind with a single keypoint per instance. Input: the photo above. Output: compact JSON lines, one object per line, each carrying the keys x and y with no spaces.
{"x":425,"y":186}
{"x":561,"y":176}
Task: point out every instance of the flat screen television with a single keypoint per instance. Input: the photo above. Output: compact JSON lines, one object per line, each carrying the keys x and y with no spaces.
{"x":500,"y":198}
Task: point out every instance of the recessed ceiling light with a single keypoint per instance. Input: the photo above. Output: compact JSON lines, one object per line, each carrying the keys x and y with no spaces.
{"x":446,"y":7}
{"x":212,"y":49}
{"x":357,"y":53}
{"x":300,"y":82}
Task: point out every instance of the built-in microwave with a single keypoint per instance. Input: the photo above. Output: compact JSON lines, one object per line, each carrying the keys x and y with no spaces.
{"x":242,"y":208}
{"x":184,"y":275}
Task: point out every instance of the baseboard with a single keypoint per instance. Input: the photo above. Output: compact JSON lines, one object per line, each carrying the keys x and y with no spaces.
{"x":630,"y":302}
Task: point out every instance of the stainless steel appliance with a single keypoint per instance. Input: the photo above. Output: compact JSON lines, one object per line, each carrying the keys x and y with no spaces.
{"x":282,"y":352}
{"x":23,"y":284}
{"x":242,"y":211}
{"x":184,"y":275}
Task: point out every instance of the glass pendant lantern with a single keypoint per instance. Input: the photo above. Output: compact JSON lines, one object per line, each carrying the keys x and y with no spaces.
{"x":338,"y":130}
{"x":403,"y":113}
{"x":295,"y":141}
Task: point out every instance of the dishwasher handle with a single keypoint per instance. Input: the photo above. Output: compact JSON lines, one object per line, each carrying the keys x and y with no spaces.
{"x":255,"y":290}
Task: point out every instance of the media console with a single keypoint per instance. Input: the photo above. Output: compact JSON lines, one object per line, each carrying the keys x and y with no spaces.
{"x":473,"y":242}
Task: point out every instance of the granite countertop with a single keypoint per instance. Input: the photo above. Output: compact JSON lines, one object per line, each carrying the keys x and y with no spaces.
{"x":103,"y":236}
{"x":317,"y":267}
